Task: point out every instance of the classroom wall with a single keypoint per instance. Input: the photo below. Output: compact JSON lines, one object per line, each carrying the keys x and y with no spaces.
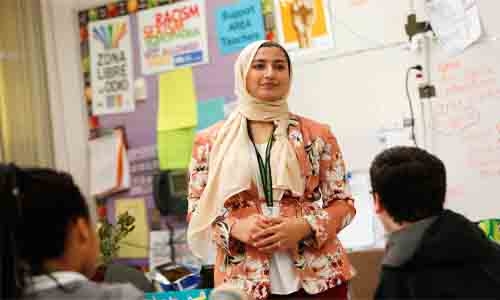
{"x":66,"y":93}
{"x":353,"y":32}
{"x":372,"y":78}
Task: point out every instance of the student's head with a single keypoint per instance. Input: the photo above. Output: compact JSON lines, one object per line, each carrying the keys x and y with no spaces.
{"x":266,"y":71}
{"x":409,"y":184}
{"x":45,"y":227}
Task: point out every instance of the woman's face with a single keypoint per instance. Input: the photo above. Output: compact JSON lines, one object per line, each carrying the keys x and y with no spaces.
{"x":268,"y":78}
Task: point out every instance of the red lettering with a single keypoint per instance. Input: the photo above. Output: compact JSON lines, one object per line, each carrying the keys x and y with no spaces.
{"x":194,"y":11}
{"x":148,"y":32}
{"x":449,"y":66}
{"x":158,"y":20}
{"x":173,"y":20}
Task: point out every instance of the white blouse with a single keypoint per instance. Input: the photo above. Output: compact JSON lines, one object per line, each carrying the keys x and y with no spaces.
{"x":284,"y":279}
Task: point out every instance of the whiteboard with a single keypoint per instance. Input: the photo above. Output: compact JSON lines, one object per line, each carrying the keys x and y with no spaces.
{"x":356,"y":95}
{"x":358,"y":88}
{"x":466,"y":128}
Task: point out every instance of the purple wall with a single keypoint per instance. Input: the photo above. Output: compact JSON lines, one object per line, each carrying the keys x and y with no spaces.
{"x":211,"y":80}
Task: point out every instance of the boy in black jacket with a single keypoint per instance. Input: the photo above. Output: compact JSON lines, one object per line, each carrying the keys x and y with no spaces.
{"x":432,"y":253}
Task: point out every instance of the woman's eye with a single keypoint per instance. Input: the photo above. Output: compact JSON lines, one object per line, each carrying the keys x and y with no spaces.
{"x":280,"y":67}
{"x":258,"y":66}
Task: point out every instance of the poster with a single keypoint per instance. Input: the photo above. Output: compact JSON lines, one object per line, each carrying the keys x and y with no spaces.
{"x":175,"y":147}
{"x":457,"y":24}
{"x":210,"y":112}
{"x":303,"y":24}
{"x":238,"y":25}
{"x":177,"y":118}
{"x":173,"y":36}
{"x":111,"y":66}
{"x":176,"y":100}
{"x":135,"y":244}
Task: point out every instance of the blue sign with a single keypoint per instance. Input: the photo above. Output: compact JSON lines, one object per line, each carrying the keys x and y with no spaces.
{"x":238,"y":25}
{"x":188,"y":58}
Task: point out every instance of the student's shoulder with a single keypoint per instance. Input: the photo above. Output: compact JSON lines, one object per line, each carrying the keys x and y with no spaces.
{"x":88,"y":290}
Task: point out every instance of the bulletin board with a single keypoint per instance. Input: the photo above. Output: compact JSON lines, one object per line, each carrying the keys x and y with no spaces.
{"x":161,"y":106}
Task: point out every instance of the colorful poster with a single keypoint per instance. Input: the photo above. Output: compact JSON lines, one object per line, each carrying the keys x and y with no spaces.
{"x":173,"y":36}
{"x":238,"y":25}
{"x":303,"y":24}
{"x":111,"y":66}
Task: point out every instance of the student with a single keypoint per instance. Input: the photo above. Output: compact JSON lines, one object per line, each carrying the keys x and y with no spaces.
{"x":432,"y":253}
{"x":48,"y":246}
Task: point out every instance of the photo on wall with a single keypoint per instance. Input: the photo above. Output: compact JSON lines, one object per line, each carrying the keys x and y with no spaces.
{"x":303,"y":24}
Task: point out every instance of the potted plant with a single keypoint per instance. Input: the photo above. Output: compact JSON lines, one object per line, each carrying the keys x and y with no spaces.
{"x":110,"y":236}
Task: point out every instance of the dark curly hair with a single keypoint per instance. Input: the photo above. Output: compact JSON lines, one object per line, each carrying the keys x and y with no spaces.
{"x":36,"y":209}
{"x":410,"y":181}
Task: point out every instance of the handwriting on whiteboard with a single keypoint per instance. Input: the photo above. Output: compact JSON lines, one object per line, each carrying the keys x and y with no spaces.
{"x":451,"y":117}
{"x":461,"y":92}
{"x":485,"y":158}
{"x":470,"y":83}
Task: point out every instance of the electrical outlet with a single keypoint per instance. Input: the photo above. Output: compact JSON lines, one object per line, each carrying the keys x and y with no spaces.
{"x":427,"y":91}
{"x":408,"y":122}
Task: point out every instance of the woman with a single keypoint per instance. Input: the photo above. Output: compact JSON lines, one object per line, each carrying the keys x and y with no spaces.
{"x":270,"y":241}
{"x":49,"y":246}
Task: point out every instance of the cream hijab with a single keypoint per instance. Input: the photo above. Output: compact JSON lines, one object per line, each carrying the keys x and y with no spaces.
{"x":229,"y":170}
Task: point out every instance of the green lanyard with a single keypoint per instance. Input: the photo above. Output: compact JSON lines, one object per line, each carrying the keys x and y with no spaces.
{"x":265,"y":168}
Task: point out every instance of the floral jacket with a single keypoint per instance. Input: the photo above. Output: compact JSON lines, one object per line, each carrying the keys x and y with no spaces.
{"x":321,"y":261}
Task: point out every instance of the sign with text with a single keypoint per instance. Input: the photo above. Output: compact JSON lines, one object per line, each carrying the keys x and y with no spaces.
{"x":173,"y":36}
{"x":111,"y":66}
{"x":238,"y":25}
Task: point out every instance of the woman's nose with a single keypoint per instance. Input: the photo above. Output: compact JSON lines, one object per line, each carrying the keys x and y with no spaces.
{"x":269,"y":71}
